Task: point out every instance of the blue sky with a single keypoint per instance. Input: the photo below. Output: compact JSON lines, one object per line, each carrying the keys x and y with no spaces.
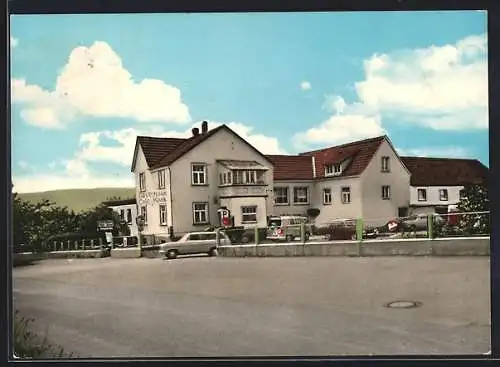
{"x":83,"y":86}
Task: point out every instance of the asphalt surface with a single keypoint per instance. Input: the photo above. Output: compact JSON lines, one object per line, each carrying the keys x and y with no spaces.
{"x":209,"y":307}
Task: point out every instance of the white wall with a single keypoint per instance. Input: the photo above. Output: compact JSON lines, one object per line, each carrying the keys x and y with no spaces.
{"x":337,"y":210}
{"x":153,"y":197}
{"x":376,"y":210}
{"x":291,"y":208}
{"x":433,"y":195}
{"x":133,"y":208}
{"x":222,"y":145}
{"x":235,"y":204}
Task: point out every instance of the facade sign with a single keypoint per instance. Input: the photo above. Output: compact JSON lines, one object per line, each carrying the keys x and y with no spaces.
{"x":105,"y":225}
{"x":152,"y":197}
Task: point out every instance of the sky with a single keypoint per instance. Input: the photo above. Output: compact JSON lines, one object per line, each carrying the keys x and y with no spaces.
{"x":84,"y":86}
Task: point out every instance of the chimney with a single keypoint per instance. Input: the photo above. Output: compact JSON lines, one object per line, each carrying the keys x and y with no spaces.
{"x":204,"y":127}
{"x":313,"y":166}
{"x":195,"y":131}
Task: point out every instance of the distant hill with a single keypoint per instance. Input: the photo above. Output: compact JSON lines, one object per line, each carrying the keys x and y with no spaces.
{"x":79,"y":199}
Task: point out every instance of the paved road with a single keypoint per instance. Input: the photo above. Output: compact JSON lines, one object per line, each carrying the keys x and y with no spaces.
{"x":201,"y":306}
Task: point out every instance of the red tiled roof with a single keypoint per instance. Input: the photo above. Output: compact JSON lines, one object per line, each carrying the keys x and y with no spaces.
{"x":184,"y":147}
{"x":445,"y":171}
{"x":155,"y":149}
{"x":360,"y":152}
{"x":292,"y":167}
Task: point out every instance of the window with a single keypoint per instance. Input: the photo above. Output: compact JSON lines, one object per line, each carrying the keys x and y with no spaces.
{"x":386,"y":192}
{"x":200,"y":213}
{"x":402,"y":212}
{"x":249,"y":214}
{"x":122,"y":215}
{"x":422,"y":194}
{"x":142,"y":182}
{"x":300,"y":195}
{"x":163,"y":215}
{"x":222,"y":178}
{"x":346,"y":195}
{"x":327,"y":196}
{"x":385,"y":164}
{"x":443,"y":195}
{"x":237,"y":177}
{"x":281,"y":196}
{"x":144,"y":214}
{"x":161,"y":179}
{"x":129,"y":216}
{"x":333,"y":170}
{"x":250,"y":177}
{"x":260,"y":177}
{"x":199,"y":174}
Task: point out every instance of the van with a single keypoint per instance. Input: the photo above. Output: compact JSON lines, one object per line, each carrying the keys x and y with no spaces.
{"x":287,"y":227}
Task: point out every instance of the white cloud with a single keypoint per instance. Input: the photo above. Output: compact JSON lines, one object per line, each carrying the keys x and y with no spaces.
{"x":95,"y":83}
{"x":348,"y":123}
{"x":439,"y":87}
{"x":439,"y":152}
{"x":23,"y":165}
{"x":77,"y":173}
{"x":13,"y":41}
{"x":305,"y":85}
{"x":93,"y":149}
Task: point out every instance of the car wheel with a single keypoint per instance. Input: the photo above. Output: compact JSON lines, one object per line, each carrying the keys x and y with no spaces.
{"x":212,"y":252}
{"x":171,"y":254}
{"x":245,"y":239}
{"x":307,"y":236}
{"x":289,"y":238}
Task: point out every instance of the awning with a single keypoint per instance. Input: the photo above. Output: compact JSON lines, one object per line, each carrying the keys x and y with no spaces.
{"x":234,"y":164}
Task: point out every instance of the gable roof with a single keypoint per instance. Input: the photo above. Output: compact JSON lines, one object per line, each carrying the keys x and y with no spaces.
{"x":154,"y":148}
{"x":445,"y":171}
{"x":292,"y":167}
{"x":161,"y":152}
{"x":360,"y":154}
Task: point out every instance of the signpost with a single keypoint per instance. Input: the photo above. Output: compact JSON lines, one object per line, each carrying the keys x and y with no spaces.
{"x":140,"y":226}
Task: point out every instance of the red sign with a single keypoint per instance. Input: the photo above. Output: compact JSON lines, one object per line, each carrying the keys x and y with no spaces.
{"x":392,"y":225}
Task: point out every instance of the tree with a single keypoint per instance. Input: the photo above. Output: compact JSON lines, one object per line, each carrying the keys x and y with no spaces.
{"x":474,"y":198}
{"x":89,"y":220}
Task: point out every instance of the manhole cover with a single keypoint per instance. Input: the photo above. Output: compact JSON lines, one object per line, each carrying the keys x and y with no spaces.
{"x":403,"y":304}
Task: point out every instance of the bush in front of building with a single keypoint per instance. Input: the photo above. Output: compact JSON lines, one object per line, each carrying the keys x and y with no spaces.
{"x":337,"y":232}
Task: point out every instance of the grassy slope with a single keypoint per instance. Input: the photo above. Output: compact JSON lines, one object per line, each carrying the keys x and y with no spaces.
{"x":79,"y":199}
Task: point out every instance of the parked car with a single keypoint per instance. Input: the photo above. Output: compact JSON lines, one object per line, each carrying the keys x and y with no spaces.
{"x":194,"y":243}
{"x":287,"y":227}
{"x":414,"y":223}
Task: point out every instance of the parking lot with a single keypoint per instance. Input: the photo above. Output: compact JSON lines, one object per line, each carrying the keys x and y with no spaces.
{"x":200,"y":306}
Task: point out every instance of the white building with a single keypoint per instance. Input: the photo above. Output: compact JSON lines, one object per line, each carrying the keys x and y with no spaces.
{"x":182,"y":183}
{"x":364,"y":179}
{"x":127,"y":210}
{"x":436,"y":183}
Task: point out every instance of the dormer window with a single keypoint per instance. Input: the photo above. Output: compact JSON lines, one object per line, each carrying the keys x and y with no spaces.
{"x":333,"y":169}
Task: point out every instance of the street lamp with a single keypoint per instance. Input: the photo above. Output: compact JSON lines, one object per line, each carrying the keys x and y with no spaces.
{"x":140,"y":226}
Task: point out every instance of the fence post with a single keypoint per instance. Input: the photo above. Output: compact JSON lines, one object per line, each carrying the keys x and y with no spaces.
{"x":83,"y":244}
{"x":430,"y":226}
{"x":91,"y":244}
{"x":76,"y":245}
{"x":256,"y":234}
{"x":359,"y":229}
{"x":61,"y":246}
{"x":55,"y":245}
{"x":69,"y":245}
{"x":302,"y":233}
{"x":217,"y":237}
{"x":100,"y":243}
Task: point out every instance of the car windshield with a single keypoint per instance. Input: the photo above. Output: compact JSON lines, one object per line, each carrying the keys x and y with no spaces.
{"x":275,"y":222}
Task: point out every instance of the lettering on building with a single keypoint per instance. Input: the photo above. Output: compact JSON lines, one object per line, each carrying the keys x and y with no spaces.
{"x":152,"y":197}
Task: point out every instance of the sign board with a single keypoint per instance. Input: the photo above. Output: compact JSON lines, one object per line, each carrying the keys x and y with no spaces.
{"x":109,"y":237}
{"x":392,"y":225}
{"x":104,"y":225}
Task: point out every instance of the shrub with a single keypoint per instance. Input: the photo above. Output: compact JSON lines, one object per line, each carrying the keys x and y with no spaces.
{"x":30,"y":345}
{"x":313,"y":212}
{"x":337,"y":232}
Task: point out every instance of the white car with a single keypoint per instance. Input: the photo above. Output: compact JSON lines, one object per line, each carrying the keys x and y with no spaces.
{"x":194,"y":243}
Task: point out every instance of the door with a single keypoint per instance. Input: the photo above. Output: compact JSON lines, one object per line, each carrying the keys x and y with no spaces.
{"x":191,"y":245}
{"x":402,"y":212}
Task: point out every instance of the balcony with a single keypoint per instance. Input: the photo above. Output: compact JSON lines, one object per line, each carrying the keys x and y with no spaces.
{"x":242,"y":191}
